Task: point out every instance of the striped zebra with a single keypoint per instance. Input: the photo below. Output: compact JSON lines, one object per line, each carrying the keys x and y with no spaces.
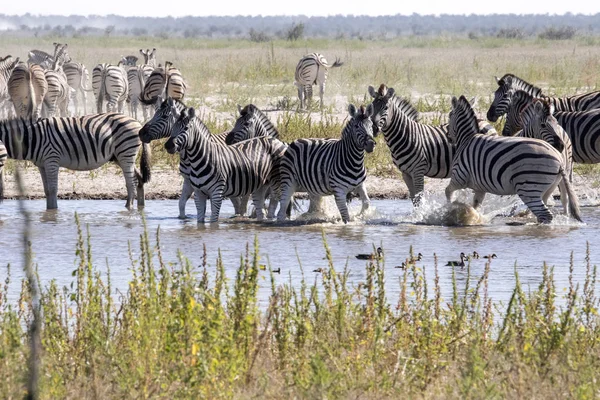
{"x":77,"y":79}
{"x":582,"y":127}
{"x":59,"y":91}
{"x":162,"y":83}
{"x":509,"y":84}
{"x":418,"y":150}
{"x":312,"y":70}
{"x":27,"y":87}
{"x":218,"y":171}
{"x":110,"y":82}
{"x":3,"y":157}
{"x":6,"y":67}
{"x":530,"y":168}
{"x":149,"y":57}
{"x":161,"y":126}
{"x":46,"y":60}
{"x":323,"y":167}
{"x":129,"y":61}
{"x":136,"y":78}
{"x":81,"y":144}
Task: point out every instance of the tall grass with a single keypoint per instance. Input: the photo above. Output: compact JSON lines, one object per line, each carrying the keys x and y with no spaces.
{"x":190,"y":332}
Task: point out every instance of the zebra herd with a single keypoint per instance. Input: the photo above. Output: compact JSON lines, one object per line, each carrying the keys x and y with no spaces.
{"x":542,"y":137}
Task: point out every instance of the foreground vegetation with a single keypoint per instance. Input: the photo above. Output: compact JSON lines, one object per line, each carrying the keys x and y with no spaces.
{"x":187,"y":332}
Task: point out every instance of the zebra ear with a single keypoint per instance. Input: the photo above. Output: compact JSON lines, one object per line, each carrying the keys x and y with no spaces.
{"x":153,"y":51}
{"x":369,"y":111}
{"x":497,"y":80}
{"x":372,"y":91}
{"x":508,"y":80}
{"x":454,"y":102}
{"x":472,"y":101}
{"x":390,"y":93}
{"x":191,"y":112}
{"x":538,"y":107}
{"x":552,"y":109}
{"x":142,"y":51}
{"x":352,"y":110}
{"x":239,"y":109}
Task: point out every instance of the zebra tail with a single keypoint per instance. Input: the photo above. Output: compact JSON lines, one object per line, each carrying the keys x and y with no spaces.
{"x":573,"y":202}
{"x":31,"y":106}
{"x":146,"y":163}
{"x":337,"y":63}
{"x":1,"y":184}
{"x":100,"y":99}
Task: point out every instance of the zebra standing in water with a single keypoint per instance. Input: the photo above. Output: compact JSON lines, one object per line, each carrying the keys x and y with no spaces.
{"x":27,"y":87}
{"x":330,"y":166}
{"x":77,"y":79}
{"x":218,"y":171}
{"x":59,"y":91}
{"x":149,"y":57}
{"x":530,"y":168}
{"x":6,"y":67}
{"x":162,"y":83}
{"x":81,"y":144}
{"x":311,"y":70}
{"x":3,"y":157}
{"x":418,"y":150}
{"x":509,"y":84}
{"x":161,"y":126}
{"x":110,"y":82}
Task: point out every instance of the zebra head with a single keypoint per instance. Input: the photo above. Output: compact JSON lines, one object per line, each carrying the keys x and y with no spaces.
{"x":514,"y":114}
{"x":61,"y":56}
{"x":539,"y":123}
{"x":149,"y":56}
{"x":251,"y":123}
{"x":180,"y":132}
{"x":502,"y":98}
{"x":462,"y":124}
{"x":361,"y":127}
{"x":129,"y":61}
{"x":161,"y":124}
{"x":380,"y":106}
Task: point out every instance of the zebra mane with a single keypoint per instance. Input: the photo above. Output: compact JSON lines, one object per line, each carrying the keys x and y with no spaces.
{"x":522,"y":83}
{"x":406,"y":108}
{"x":466,"y":113}
{"x":529,"y":110}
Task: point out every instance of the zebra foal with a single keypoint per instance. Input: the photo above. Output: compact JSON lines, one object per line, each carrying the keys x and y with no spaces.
{"x":530,"y":168}
{"x":81,"y":144}
{"x":323,"y":167}
{"x":311,"y":70}
{"x":218,"y":171}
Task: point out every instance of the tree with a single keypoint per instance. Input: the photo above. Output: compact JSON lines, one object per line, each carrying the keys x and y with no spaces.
{"x":295,"y":32}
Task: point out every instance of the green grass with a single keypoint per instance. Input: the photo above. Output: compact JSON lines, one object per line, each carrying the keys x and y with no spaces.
{"x":186,"y":332}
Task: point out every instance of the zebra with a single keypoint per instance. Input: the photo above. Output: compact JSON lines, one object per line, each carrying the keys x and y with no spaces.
{"x":129,"y":61}
{"x":110,"y":81}
{"x":77,"y":79}
{"x":149,"y":57}
{"x":509,"y":84}
{"x":530,"y":168}
{"x":330,"y":166}
{"x":581,"y":126}
{"x":3,"y":157}
{"x":160,"y":126}
{"x":418,"y":150}
{"x":59,"y":91}
{"x":311,"y":70}
{"x":79,"y":143}
{"x":218,"y":171}
{"x":46,"y":60}
{"x":163,"y":82}
{"x":136,"y":78}
{"x":27,"y":87}
{"x":6,"y":67}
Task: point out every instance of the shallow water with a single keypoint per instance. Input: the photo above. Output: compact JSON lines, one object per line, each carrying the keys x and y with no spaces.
{"x":389,"y":223}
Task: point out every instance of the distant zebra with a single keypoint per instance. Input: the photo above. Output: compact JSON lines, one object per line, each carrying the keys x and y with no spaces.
{"x":218,"y":171}
{"x":79,"y":143}
{"x":59,"y":91}
{"x":163,"y":82}
{"x":509,"y":84}
{"x":530,"y":168}
{"x":110,"y":82}
{"x":129,"y":61}
{"x":77,"y":78}
{"x":323,"y":167}
{"x":6,"y":67}
{"x":418,"y":150}
{"x":3,"y":157}
{"x":149,"y":57}
{"x":136,"y":78}
{"x":27,"y":87}
{"x":312,"y":70}
{"x":161,"y":126}
{"x":582,"y":127}
{"x":46,"y":60}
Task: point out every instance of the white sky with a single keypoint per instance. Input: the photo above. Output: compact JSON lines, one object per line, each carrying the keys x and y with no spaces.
{"x":163,"y":8}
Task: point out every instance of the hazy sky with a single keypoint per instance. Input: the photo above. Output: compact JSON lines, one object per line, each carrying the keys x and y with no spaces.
{"x":294,"y":7}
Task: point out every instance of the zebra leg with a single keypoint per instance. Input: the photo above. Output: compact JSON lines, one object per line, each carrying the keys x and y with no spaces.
{"x":186,"y":193}
{"x":235,"y":201}
{"x":200,"y":200}
{"x":84,"y":101}
{"x":216,"y":201}
{"x":44,"y":180}
{"x":478,"y":199}
{"x":361,"y":190}
{"x":273,"y":203}
{"x":243,"y":204}
{"x":287,"y":190}
{"x":564,"y":197}
{"x":450,"y":189}
{"x":410,"y":185}
{"x":340,"y":201}
{"x":51,"y":172}
{"x":538,"y":208}
{"x":258,"y":198}
{"x":130,"y":181}
{"x":316,"y":204}
{"x":321,"y":92}
{"x":301,"y":96}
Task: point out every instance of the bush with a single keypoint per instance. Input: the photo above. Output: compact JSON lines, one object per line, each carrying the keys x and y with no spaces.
{"x":563,"y":33}
{"x":295,"y":32}
{"x":258,"y":36}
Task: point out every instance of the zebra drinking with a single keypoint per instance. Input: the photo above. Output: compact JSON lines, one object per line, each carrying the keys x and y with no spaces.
{"x":330,"y":166}
{"x":110,"y":82}
{"x":218,"y":171}
{"x":530,"y":168}
{"x":81,"y":144}
{"x":312,"y":70}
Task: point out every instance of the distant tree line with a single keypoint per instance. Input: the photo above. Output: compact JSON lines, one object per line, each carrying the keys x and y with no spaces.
{"x":261,"y":29}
